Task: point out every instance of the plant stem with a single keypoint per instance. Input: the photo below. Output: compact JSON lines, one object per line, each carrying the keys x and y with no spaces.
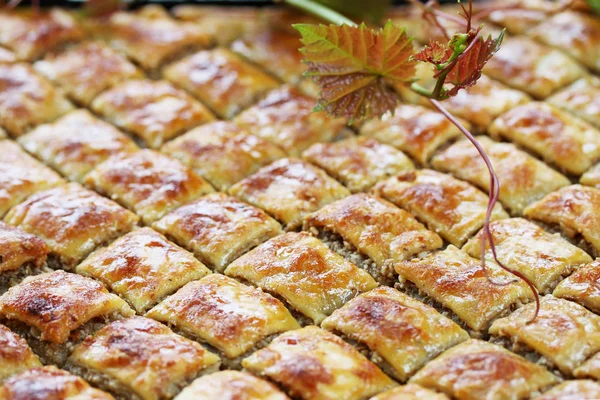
{"x":493,"y":199}
{"x":320,"y":11}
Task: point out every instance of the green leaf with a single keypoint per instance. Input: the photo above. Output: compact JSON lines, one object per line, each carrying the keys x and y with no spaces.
{"x":594,"y":5}
{"x":355,"y":66}
{"x":372,"y":12}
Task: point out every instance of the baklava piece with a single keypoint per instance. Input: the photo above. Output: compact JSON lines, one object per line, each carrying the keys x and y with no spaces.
{"x":27,"y":99}
{"x":582,"y":286}
{"x":591,"y":177}
{"x":86,"y":70}
{"x":410,"y":391}
{"x":274,"y":49}
{"x":395,"y":331}
{"x":518,"y":20}
{"x":415,"y":130}
{"x":21,"y":176}
{"x":453,"y":280}
{"x":231,"y":317}
{"x":138,"y":358}
{"x":15,"y":355}
{"x":573,"y":390}
{"x":533,"y":68}
{"x":286,"y":117}
{"x":147,"y":182}
{"x":289,"y":189}
{"x":221,"y":79}
{"x":358,"y":162}
{"x":73,"y":222}
{"x":581,"y":99}
{"x":49,"y":383}
{"x":564,"y":334}
{"x":21,"y":255}
{"x":298,"y":268}
{"x":311,"y":363}
{"x":544,"y":258}
{"x":478,"y":370}
{"x":143,"y":267}
{"x":218,"y":228}
{"x":231,"y":385}
{"x":575,"y":33}
{"x":57,"y":310}
{"x":154,"y":111}
{"x":523,"y":178}
{"x":76,"y":143}
{"x":363,"y":224}
{"x":576,"y":210}
{"x":590,"y":368}
{"x":450,"y":207}
{"x":150,"y":37}
{"x":30,"y":33}
{"x":222,"y":152}
{"x":559,"y":138}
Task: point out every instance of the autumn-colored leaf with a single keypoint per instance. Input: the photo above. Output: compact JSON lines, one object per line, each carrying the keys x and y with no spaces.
{"x":434,"y":53}
{"x":355,"y":66}
{"x":467,"y":69}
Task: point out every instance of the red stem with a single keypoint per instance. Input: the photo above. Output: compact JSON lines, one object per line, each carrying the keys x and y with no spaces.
{"x":492,"y":200}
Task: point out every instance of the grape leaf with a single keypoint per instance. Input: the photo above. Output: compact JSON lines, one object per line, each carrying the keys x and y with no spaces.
{"x":467,"y":69}
{"x":594,"y":5}
{"x":373,"y":13}
{"x":355,"y":66}
{"x":435,"y":53}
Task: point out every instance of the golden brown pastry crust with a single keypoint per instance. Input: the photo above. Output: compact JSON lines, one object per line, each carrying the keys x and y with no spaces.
{"x":582,"y":99}
{"x":73,"y":221}
{"x":21,"y":176}
{"x":582,"y":286}
{"x":410,"y":391}
{"x":76,"y":143}
{"x":220,"y":79}
{"x":286,"y":118}
{"x":224,"y":313}
{"x":533,"y":68}
{"x":27,"y":99}
{"x":455,"y":280}
{"x":231,"y":385}
{"x":222,"y":152}
{"x":476,"y":370}
{"x":311,"y":363}
{"x":589,"y":369}
{"x":289,"y":189}
{"x":15,"y":355}
{"x":571,"y":144}
{"x":573,"y":390}
{"x":154,"y":111}
{"x":591,"y":177}
{"x":305,"y":272}
{"x":575,"y":208}
{"x":452,"y":208}
{"x":143,"y":267}
{"x":58,"y":302}
{"x":416,"y":130}
{"x":518,"y":20}
{"x":375,"y":227}
{"x":525,"y":247}
{"x":358,"y":162}
{"x":30,"y":34}
{"x":86,"y":70}
{"x":563,"y":332}
{"x":523,"y":178}
{"x":404,"y":332}
{"x":144,"y":356}
{"x":148,"y":182}
{"x":18,"y":248}
{"x":49,"y":383}
{"x":218,"y":228}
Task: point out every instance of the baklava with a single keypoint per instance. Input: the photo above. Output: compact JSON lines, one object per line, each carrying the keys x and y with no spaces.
{"x":371,"y":233}
{"x":142,"y":267}
{"x":218,"y":228}
{"x":147,"y":182}
{"x":591,"y":177}
{"x":73,"y":222}
{"x":311,"y":363}
{"x":301,"y":270}
{"x":222,"y":152}
{"x":582,"y":286}
{"x":582,"y":99}
{"x":15,"y":355}
{"x":233,"y":318}
{"x":57,"y":310}
{"x":577,"y":389}
{"x":410,"y":391}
